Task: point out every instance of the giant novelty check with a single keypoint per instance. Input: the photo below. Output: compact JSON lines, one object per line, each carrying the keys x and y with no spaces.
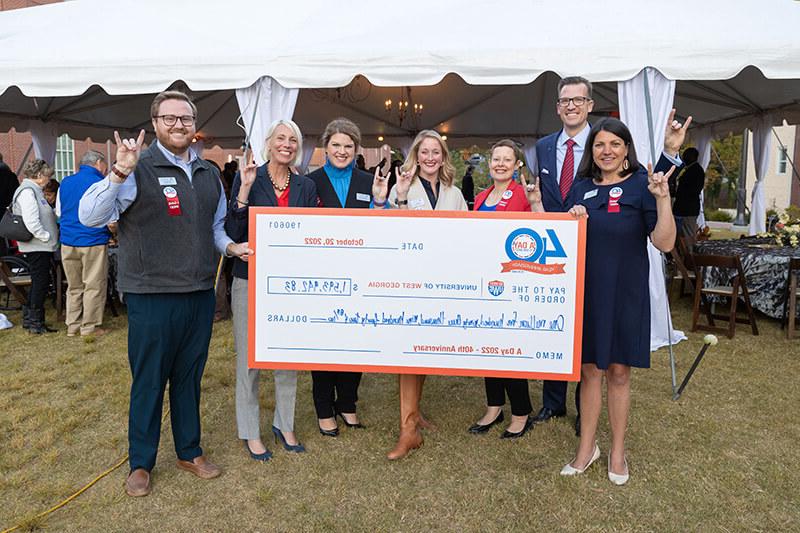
{"x":471,"y":294}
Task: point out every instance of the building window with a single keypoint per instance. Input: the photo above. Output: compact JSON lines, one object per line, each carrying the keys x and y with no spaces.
{"x":65,"y":157}
{"x":783,"y":160}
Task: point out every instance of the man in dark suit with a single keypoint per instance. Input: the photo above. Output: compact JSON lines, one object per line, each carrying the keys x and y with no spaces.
{"x":558,"y":156}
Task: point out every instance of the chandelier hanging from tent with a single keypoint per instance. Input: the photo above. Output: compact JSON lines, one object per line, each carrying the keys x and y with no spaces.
{"x":397,"y":111}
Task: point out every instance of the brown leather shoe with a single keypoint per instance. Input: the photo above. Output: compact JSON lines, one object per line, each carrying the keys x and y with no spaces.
{"x":138,"y":483}
{"x":200,"y":467}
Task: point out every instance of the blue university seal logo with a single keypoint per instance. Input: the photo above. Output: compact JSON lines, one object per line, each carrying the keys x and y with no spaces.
{"x":496,"y":287}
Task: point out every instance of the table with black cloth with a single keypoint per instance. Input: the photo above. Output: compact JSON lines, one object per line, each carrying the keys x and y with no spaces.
{"x":765,"y":264}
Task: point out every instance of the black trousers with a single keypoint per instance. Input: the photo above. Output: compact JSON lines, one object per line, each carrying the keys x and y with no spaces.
{"x":335,"y":390}
{"x":168,"y":337}
{"x":40,"y":263}
{"x":517,"y":391}
{"x":554,"y":396}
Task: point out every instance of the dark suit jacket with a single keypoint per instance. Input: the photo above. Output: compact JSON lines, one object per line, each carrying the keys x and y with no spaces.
{"x":360,"y":184}
{"x":548,"y":181}
{"x":302,"y":193}
{"x":687,"y":195}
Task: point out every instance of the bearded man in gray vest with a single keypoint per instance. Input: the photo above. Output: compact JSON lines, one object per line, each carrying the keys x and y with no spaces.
{"x":171,"y":207}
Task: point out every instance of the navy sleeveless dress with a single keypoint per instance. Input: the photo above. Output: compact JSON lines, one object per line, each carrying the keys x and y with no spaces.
{"x":616,"y":319}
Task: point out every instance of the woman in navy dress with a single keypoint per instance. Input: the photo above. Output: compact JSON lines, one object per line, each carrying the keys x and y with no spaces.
{"x":624,"y":204}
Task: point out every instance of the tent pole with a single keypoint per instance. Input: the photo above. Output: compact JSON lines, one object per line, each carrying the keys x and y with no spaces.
{"x":741,"y":190}
{"x":649,"y":108}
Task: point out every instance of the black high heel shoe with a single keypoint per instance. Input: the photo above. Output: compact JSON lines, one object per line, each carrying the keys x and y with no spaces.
{"x":329,"y":432}
{"x":357,"y":425}
{"x":296,"y":448}
{"x":528,"y":425}
{"x":483,"y":428}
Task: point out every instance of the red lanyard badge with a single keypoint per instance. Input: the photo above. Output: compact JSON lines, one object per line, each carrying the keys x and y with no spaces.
{"x":613,"y":199}
{"x":173,"y":202}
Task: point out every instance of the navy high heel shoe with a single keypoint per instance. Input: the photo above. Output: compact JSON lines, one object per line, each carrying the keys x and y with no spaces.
{"x":263,"y":457}
{"x":296,"y":448}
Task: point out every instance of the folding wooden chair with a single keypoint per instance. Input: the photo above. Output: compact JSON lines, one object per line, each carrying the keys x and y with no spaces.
{"x":791,"y":295}
{"x":737,"y":290}
{"x":684,"y":267}
{"x":14,"y":274}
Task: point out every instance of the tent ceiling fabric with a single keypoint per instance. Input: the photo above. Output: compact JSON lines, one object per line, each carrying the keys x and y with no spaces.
{"x":473,"y":85}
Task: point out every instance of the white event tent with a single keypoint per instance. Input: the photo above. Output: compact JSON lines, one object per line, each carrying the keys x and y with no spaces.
{"x":482,"y":70}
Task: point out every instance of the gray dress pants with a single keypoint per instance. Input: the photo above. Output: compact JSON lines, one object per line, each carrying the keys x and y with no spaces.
{"x":247,"y":417}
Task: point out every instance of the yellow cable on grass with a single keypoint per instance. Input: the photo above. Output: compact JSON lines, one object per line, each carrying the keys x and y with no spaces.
{"x":82,"y":489}
{"x":120,"y":462}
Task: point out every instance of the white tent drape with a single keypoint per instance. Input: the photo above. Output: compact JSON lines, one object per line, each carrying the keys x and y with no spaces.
{"x":645,"y":102}
{"x":45,"y":137}
{"x":703,"y":141}
{"x":529,"y":150}
{"x":762,"y":139}
{"x":260,"y":105}
{"x":309,"y":144}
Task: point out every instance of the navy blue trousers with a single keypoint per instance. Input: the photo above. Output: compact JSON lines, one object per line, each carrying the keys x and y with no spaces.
{"x":554,"y":396}
{"x":168,"y":337}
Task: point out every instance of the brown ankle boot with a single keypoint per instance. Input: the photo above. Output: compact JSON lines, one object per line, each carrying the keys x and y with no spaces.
{"x":410,"y":436}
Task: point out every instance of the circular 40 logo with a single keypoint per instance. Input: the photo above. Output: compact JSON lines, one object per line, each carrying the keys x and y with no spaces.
{"x":525,"y":244}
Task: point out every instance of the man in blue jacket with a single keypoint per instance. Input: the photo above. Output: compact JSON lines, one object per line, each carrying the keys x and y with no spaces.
{"x":84,"y":250}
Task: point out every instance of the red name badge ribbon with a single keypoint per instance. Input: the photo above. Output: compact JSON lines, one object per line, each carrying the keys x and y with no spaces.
{"x":613,"y":199}
{"x":173,"y":202}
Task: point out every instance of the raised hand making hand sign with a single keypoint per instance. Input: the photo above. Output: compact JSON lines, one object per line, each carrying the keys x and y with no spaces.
{"x":128,"y":151}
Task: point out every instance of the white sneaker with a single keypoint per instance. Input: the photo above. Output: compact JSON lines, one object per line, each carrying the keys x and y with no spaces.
{"x":570,"y":470}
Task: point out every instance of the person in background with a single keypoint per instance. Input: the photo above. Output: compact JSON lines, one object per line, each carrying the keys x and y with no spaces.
{"x":50,"y":192}
{"x":29,"y":202}
{"x":361,"y":163}
{"x":687,"y":196}
{"x":468,"y":187}
{"x":84,"y":250}
{"x":339,"y":184}
{"x":505,"y":194}
{"x":425,"y":182}
{"x":272,"y":184}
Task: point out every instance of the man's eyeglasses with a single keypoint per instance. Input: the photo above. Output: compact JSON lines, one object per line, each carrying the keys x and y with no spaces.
{"x":186,"y":120}
{"x":578,"y":101}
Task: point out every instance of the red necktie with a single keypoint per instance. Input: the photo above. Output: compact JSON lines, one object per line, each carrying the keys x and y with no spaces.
{"x":567,"y":170}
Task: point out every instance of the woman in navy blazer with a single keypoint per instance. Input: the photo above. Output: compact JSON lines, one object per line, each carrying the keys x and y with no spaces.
{"x":505,"y":195}
{"x":271,"y":184}
{"x":340,"y":184}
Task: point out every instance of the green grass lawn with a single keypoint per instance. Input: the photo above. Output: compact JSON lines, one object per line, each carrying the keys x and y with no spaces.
{"x":721,"y":459}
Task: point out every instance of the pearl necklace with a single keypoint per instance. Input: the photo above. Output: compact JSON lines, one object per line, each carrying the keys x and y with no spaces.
{"x":285,"y":185}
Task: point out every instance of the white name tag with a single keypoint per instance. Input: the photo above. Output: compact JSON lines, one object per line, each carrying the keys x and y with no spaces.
{"x":590,"y":194}
{"x":167,"y":181}
{"x":545,"y":171}
{"x":419,"y":203}
{"x":361,"y":197}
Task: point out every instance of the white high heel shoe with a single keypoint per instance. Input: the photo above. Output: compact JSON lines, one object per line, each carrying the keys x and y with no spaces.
{"x":618,"y":479}
{"x":570,"y":470}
